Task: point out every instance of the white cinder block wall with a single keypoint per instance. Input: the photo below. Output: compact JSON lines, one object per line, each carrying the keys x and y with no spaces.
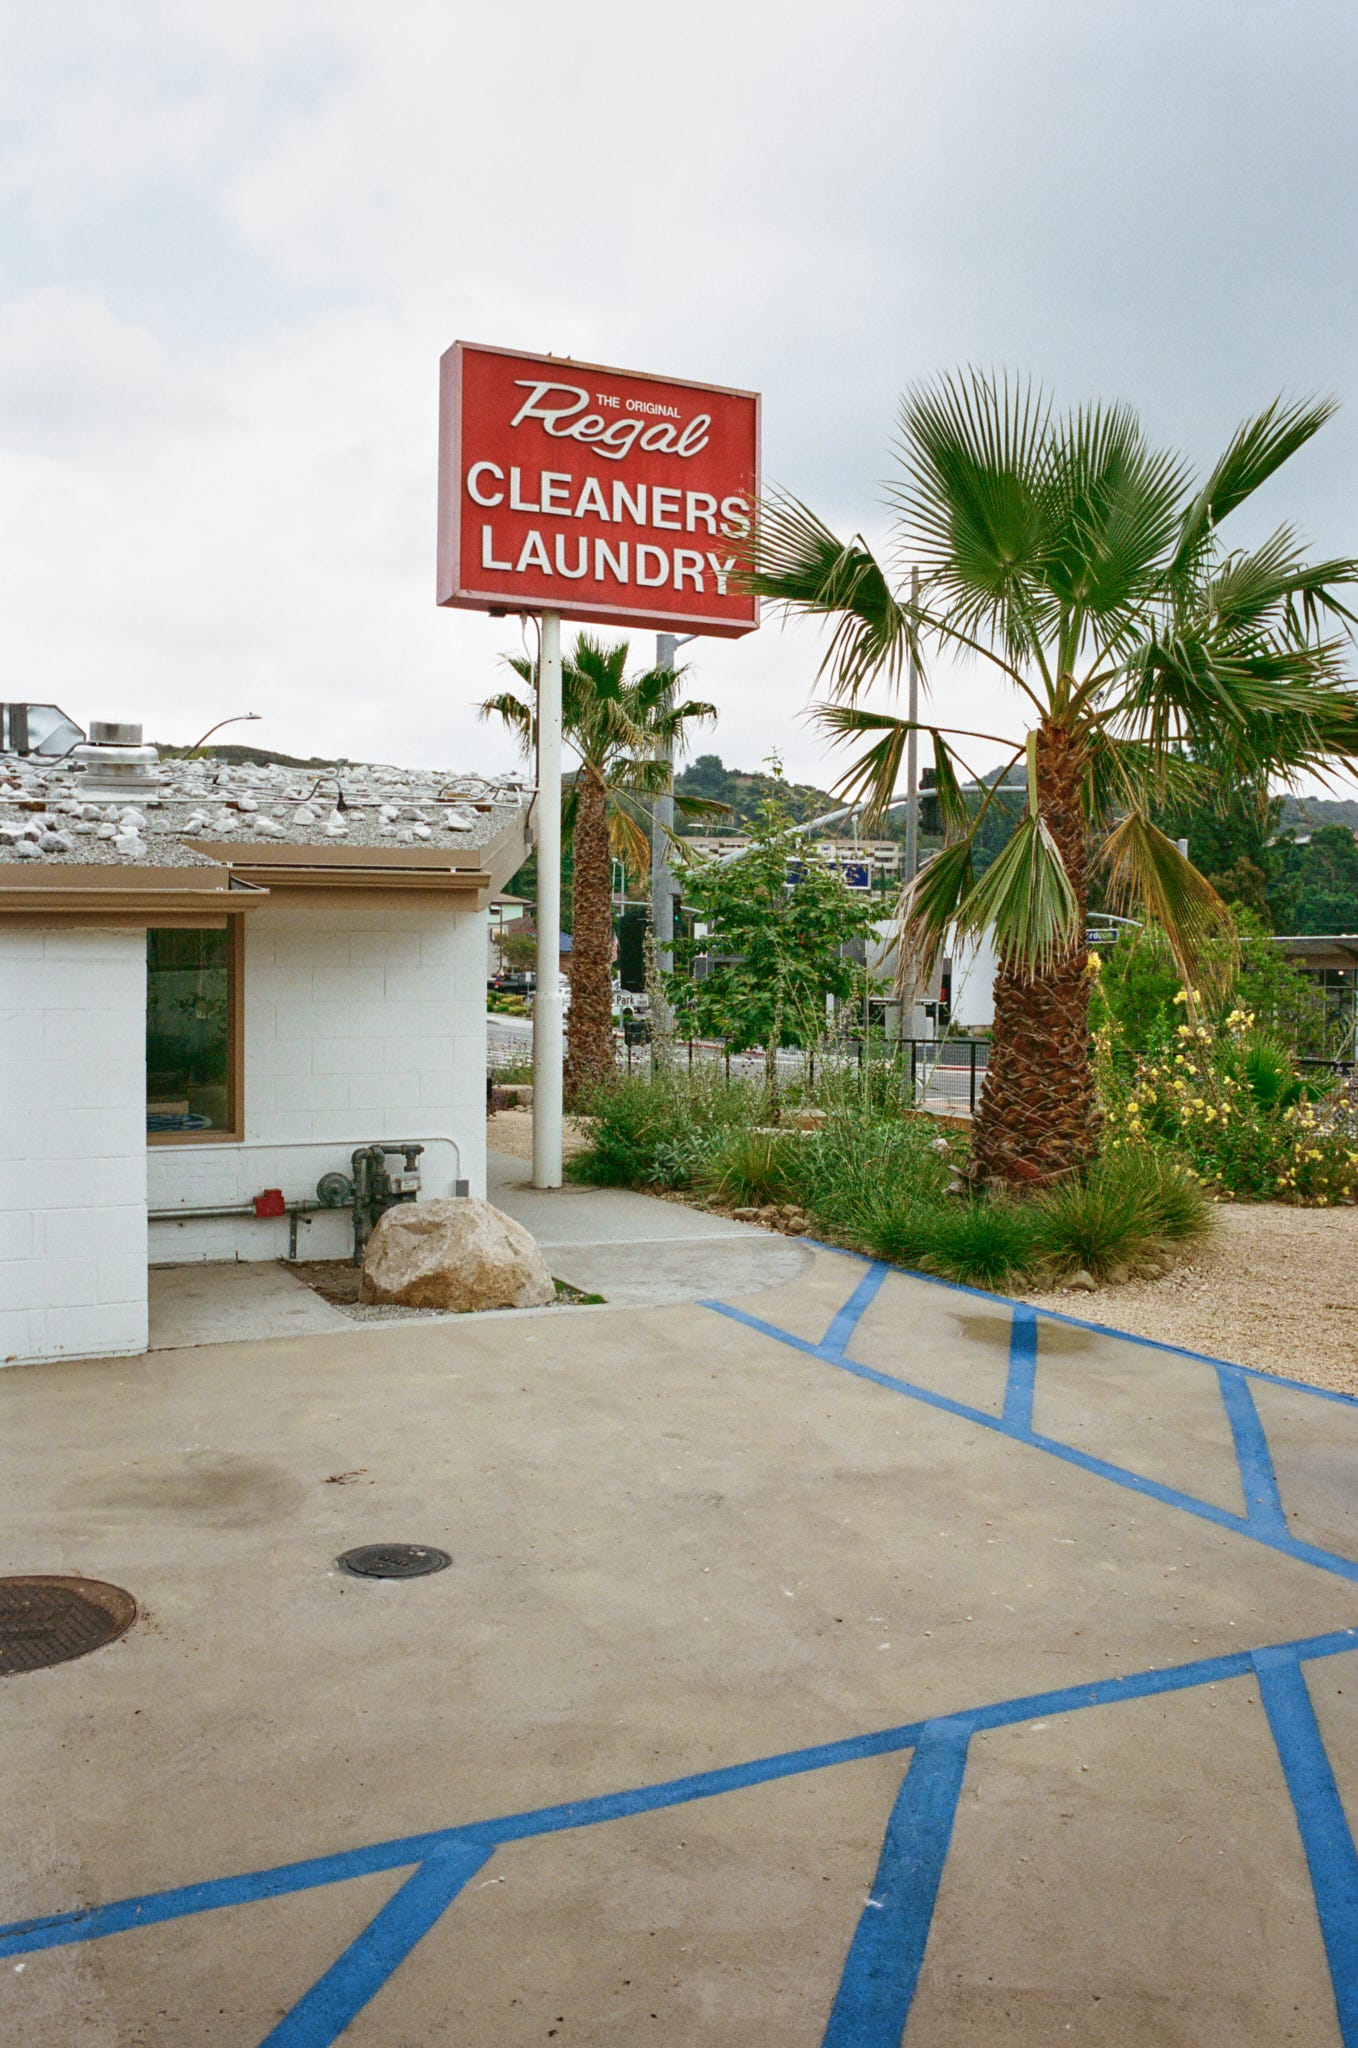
{"x":72,"y":1143}
{"x":361,"y":1023}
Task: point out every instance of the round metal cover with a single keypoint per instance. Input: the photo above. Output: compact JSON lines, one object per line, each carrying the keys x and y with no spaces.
{"x":49,"y":1620}
{"x":393,"y":1560}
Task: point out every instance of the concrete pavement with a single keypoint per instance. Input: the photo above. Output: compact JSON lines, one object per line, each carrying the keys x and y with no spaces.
{"x":852,"y":1659}
{"x":637,"y":1250}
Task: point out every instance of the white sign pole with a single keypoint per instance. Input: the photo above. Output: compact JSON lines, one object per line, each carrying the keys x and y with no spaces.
{"x":547,"y":1036}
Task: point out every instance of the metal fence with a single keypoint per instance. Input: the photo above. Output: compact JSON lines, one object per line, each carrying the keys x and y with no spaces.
{"x":947,"y":1074}
{"x":943,"y":1075}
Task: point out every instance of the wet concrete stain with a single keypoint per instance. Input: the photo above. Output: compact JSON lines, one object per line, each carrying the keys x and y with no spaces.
{"x":216,"y":1488}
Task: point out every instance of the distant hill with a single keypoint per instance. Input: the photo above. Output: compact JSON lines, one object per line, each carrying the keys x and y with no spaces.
{"x":1306,"y":814}
{"x":256,"y":757}
{"x":744,"y":791}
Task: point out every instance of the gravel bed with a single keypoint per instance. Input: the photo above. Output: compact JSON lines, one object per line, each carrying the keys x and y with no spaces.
{"x":1275,"y":1287}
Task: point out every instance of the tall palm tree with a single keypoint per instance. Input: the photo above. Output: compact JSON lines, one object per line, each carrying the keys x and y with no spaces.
{"x":625,"y":731}
{"x":1085,"y":568}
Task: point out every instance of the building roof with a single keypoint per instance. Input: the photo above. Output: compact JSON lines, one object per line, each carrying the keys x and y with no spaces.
{"x":262,"y":823}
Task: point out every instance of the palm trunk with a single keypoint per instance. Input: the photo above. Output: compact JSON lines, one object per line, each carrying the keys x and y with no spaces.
{"x":591,"y":972}
{"x":1038,"y":1120}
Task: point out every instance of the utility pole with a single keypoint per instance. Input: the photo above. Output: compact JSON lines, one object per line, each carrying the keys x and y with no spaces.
{"x":547,"y":1036}
{"x":912,"y":748}
{"x":912,"y":788}
{"x":662,"y":825}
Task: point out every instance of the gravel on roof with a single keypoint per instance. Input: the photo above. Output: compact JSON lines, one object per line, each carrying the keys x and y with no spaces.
{"x":46,"y":813}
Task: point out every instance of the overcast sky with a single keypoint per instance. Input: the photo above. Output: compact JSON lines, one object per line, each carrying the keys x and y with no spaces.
{"x":236,"y":239}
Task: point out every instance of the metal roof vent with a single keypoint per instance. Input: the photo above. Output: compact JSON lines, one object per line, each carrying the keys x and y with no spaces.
{"x":37,"y":729}
{"x":115,"y":763}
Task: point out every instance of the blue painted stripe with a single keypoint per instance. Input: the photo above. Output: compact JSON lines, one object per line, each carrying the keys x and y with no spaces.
{"x":1263,"y":1503}
{"x":323,"y":2013}
{"x":89,"y":1923}
{"x":1325,"y":1833}
{"x":1055,"y":1315}
{"x":887,"y":1952}
{"x":1018,"y":1390}
{"x":835,"y":1342}
{"x":1085,"y":1461}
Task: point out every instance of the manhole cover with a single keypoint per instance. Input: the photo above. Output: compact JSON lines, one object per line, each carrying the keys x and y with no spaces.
{"x":393,"y":1560}
{"x":50,"y":1620}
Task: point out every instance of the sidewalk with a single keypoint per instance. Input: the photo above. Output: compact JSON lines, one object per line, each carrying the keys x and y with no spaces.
{"x":637,"y":1250}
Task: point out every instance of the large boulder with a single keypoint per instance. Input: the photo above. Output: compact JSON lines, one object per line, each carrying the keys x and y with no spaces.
{"x":454,"y":1252}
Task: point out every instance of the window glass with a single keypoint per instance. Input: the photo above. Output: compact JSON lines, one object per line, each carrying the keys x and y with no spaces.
{"x":188,"y":1031}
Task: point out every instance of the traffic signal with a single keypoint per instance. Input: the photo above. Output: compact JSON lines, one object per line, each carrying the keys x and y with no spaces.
{"x":930,"y":810}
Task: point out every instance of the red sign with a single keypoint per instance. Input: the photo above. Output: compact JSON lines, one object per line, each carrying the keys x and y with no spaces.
{"x":601,"y":494}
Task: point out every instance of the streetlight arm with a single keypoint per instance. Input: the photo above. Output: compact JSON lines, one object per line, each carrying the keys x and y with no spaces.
{"x":241,"y":718}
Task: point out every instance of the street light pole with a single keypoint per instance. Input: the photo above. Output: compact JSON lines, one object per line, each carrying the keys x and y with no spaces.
{"x":547,"y":1035}
{"x":912,"y":786}
{"x":912,"y":747}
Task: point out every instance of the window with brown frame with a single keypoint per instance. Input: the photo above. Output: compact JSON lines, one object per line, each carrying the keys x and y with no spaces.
{"x":193,"y":989}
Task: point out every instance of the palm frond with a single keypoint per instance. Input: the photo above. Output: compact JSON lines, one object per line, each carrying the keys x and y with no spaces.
{"x":954,"y":810}
{"x":1027,"y":897}
{"x":1258,"y":448}
{"x":976,"y":454}
{"x":874,"y":775}
{"x":1112,"y":508}
{"x":1124,"y":774}
{"x":1147,"y":873}
{"x":517,"y":715}
{"x":627,"y":836}
{"x":799,"y":564}
{"x":928,"y":907}
{"x":700,"y":806}
{"x":1266,"y":709}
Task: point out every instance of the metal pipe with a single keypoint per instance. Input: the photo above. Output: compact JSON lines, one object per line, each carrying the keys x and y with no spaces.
{"x":200,"y":1214}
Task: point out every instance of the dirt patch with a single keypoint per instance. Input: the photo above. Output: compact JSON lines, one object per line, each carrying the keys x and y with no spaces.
{"x":1276,"y":1288}
{"x":336,"y":1281}
{"x":510,"y":1131}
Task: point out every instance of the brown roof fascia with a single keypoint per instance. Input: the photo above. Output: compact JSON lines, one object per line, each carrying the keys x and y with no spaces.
{"x":123,"y":894}
{"x":474,"y":873}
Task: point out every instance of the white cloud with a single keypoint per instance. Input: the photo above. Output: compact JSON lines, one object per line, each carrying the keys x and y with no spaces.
{"x":220,"y":487}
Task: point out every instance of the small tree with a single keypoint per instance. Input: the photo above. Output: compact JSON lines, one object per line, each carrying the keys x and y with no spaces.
{"x":779,"y":923}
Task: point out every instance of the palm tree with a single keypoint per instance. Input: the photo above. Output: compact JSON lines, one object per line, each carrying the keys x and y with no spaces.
{"x":1085,"y":568}
{"x":625,"y":732}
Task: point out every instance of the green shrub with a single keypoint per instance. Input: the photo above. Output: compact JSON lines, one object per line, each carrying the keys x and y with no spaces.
{"x":752,"y":1166}
{"x":1269,"y":1072}
{"x":983,"y":1243}
{"x":1231,"y":1103}
{"x":659,"y":1130}
{"x":1128,"y":1205}
{"x":851,"y":1162}
{"x":890,"y":1184}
